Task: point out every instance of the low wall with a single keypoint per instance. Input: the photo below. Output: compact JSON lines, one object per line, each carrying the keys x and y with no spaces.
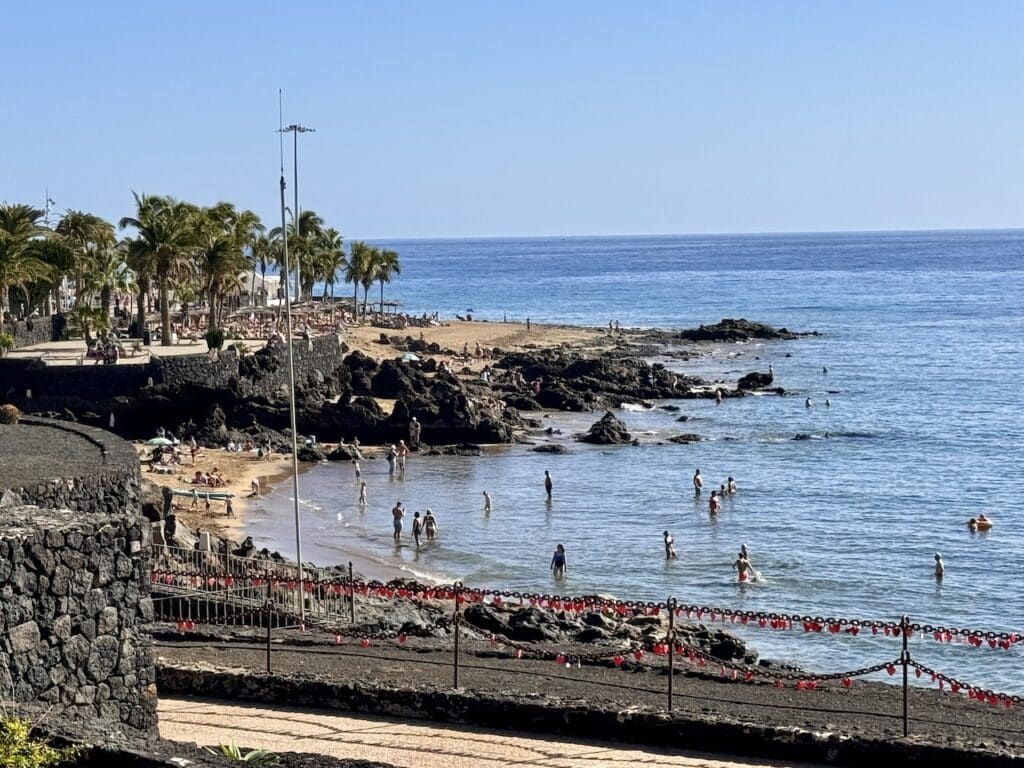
{"x":28,"y":333}
{"x":570,"y":718}
{"x":76,"y":467}
{"x":58,"y":386}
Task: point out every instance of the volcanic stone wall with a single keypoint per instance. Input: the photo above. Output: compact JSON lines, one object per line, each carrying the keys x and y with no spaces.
{"x":74,"y":574}
{"x":73,"y":597}
{"x":28,"y":333}
{"x":57,"y":387}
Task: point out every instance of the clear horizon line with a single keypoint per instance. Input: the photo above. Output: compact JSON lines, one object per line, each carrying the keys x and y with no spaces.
{"x":750,"y":233}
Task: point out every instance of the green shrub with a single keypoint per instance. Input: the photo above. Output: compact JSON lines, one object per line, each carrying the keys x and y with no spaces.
{"x":215,"y":338}
{"x":19,"y":749}
{"x":253,"y":756}
{"x":6,"y":341}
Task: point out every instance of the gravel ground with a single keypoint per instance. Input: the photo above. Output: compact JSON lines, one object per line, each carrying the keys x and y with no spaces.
{"x":872,"y":709}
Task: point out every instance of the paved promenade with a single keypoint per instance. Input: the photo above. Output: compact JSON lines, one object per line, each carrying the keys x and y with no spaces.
{"x":415,"y":744}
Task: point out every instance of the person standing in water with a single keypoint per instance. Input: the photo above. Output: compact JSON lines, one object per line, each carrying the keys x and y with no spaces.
{"x":808,"y":403}
{"x":558,"y":563}
{"x":731,"y":485}
{"x":742,"y":566}
{"x":403,"y":453}
{"x":718,"y":396}
{"x":940,"y":567}
{"x":487,"y":502}
{"x":358,"y":469}
{"x":362,"y":494}
{"x":698,"y":483}
{"x":714,"y":504}
{"x":417,"y":528}
{"x":670,"y":546}
{"x":429,"y":525}
{"x":548,"y":484}
{"x":398,"y":513}
{"x":392,"y":456}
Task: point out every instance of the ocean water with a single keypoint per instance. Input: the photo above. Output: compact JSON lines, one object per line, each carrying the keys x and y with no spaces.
{"x":921,"y":334}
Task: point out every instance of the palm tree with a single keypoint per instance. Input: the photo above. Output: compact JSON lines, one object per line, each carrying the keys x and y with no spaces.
{"x":357,"y":266}
{"x":332,"y":260}
{"x":384,"y":266}
{"x":20,"y":262}
{"x":165,"y":243}
{"x":224,"y":235}
{"x":261,"y":250}
{"x":86,"y":234}
{"x":302,"y":247}
{"x":107,"y":273}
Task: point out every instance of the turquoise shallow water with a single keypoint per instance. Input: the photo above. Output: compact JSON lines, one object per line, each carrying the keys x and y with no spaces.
{"x":921,"y":333}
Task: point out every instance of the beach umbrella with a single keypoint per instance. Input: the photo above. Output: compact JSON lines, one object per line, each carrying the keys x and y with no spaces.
{"x":159,"y":441}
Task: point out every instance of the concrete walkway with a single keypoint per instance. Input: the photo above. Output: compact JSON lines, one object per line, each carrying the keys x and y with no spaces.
{"x":416,"y":744}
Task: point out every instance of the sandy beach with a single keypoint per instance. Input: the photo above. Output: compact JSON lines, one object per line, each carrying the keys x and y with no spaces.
{"x":239,"y":469}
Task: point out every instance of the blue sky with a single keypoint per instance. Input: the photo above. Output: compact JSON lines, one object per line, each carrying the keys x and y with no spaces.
{"x":458,"y":119}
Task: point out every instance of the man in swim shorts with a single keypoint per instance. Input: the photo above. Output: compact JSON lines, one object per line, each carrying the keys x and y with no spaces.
{"x":698,"y":483}
{"x":742,"y":566}
{"x":398,"y":513}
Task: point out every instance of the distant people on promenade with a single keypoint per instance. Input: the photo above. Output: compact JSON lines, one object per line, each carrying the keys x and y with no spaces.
{"x":698,"y":483}
{"x":558,"y":562}
{"x":670,"y":546}
{"x":548,"y":484}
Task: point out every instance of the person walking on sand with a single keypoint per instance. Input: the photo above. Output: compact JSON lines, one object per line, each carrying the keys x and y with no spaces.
{"x":398,"y":513}
{"x":670,"y":546}
{"x":487,"y":502}
{"x":193,"y":448}
{"x":362,"y":494}
{"x":254,"y":485}
{"x":558,"y":563}
{"x":229,"y":509}
{"x":417,"y":528}
{"x":940,"y":567}
{"x":698,"y":483}
{"x":430,"y":525}
{"x":548,"y":484}
{"x":527,"y":325}
{"x":742,"y":566}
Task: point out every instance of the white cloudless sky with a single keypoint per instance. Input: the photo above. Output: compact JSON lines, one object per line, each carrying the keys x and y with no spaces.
{"x":461,"y":119}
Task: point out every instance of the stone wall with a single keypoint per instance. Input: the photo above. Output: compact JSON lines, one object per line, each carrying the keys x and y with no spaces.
{"x":74,"y":575}
{"x":108,"y":485}
{"x":54,"y":388}
{"x":41,"y":331}
{"x":73,"y":597}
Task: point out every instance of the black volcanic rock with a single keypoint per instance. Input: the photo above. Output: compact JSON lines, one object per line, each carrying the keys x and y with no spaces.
{"x":609,"y":430}
{"x":738,"y":330}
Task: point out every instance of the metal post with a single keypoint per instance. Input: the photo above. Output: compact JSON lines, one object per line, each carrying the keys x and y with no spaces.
{"x":671,"y":646}
{"x":295,"y":167}
{"x":352,"y":594}
{"x":291,"y":406}
{"x":269,"y":615}
{"x":905,"y":659}
{"x":455,"y":625}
